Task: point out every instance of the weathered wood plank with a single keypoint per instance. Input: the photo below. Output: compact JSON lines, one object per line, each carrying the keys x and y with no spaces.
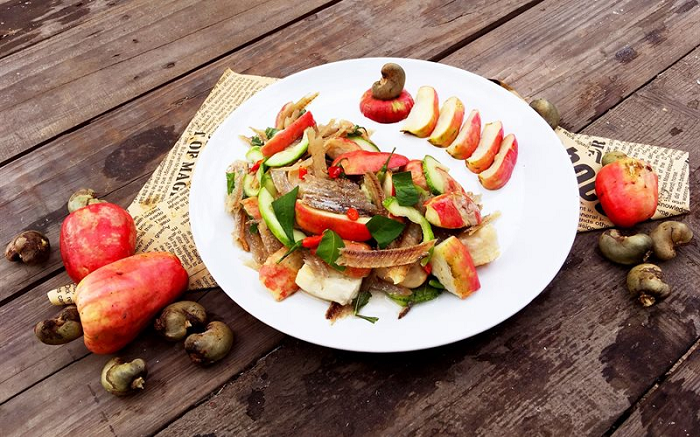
{"x":570,"y":363}
{"x":671,"y":409}
{"x":131,"y":140}
{"x":55,"y":85}
{"x":23,"y":23}
{"x":172,"y":386}
{"x":596,"y":55}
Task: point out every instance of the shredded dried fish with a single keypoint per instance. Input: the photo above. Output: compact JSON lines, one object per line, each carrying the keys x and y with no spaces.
{"x":316,"y":264}
{"x":372,"y":259}
{"x":238,"y":233}
{"x":375,"y":283}
{"x":334,"y":195}
{"x":271,"y":243}
{"x":376,"y":193}
{"x":411,"y":236}
{"x":233,"y":200}
{"x":281,"y":181}
{"x":318,"y":154}
{"x":257,"y":249}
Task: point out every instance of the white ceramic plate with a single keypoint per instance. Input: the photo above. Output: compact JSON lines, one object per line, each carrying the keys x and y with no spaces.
{"x":539,"y":208}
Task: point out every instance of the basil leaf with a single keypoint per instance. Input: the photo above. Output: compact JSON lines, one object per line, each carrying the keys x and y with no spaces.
{"x":256,"y":141}
{"x":296,"y":246}
{"x":406,"y":192}
{"x":425,"y":293}
{"x":270,"y":132}
{"x":360,"y":301}
{"x":230,"y":182}
{"x":329,"y":248}
{"x":401,"y":299}
{"x":253,"y":228}
{"x":384,"y":230}
{"x":368,"y":318}
{"x":284,"y":211}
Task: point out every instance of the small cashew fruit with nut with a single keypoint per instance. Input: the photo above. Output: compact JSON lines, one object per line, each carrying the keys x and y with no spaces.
{"x":122,"y":378}
{"x":30,"y":247}
{"x":391,"y":84}
{"x":548,"y":111}
{"x":178,"y":317}
{"x":667,"y":236}
{"x":645,"y":282}
{"x":211,"y":345}
{"x":63,"y":328}
{"x":625,"y":250}
{"x":82,"y":198}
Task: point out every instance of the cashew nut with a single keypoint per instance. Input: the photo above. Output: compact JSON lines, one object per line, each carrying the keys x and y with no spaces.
{"x":30,"y":247}
{"x":611,"y":157}
{"x":645,"y":282}
{"x":625,"y":250}
{"x":82,"y":198}
{"x":211,"y":345}
{"x":667,"y":236}
{"x":178,"y":317}
{"x":391,"y":84}
{"x":63,"y":328}
{"x":548,"y":111}
{"x":121,"y":378}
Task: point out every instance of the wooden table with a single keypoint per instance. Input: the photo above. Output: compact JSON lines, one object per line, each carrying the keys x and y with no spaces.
{"x":94,"y":94}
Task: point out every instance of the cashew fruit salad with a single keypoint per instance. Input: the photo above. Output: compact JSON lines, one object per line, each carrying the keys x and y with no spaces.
{"x":323,"y":209}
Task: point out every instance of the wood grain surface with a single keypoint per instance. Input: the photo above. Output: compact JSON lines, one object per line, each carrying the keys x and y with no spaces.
{"x":582,"y":359}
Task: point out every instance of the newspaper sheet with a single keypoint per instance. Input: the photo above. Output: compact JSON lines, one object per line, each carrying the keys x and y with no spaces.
{"x":161,"y":212}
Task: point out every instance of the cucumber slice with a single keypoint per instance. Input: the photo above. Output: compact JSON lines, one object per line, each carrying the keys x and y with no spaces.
{"x":251,"y":182}
{"x":266,"y":182}
{"x":365,"y":144}
{"x":290,"y":154}
{"x":435,"y":178}
{"x":392,"y":205}
{"x":254,"y":154}
{"x":265,"y":200}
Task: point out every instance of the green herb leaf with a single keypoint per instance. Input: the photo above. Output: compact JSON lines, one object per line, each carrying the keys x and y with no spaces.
{"x":270,"y":132}
{"x":406,"y":192}
{"x":230,"y":182}
{"x":357,"y":130}
{"x":435,"y":283}
{"x":284,"y":211}
{"x":360,"y":301}
{"x":384,"y":230}
{"x":425,"y":293}
{"x":256,"y":141}
{"x":302,"y":112}
{"x":329,"y":248}
{"x":368,"y":318}
{"x":296,"y":246}
{"x":381,"y":174}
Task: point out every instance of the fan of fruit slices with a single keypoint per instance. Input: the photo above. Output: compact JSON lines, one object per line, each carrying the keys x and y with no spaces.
{"x":323,"y":210}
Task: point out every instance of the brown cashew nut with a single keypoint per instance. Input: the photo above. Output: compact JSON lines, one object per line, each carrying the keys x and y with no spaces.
{"x":667,"y":236}
{"x":30,"y":247}
{"x":211,"y":345}
{"x":123,"y":378}
{"x":63,"y":328}
{"x":177,"y":318}
{"x":82,"y":198}
{"x":391,"y":84}
{"x":625,"y":250}
{"x":645,"y":282}
{"x":548,"y":111}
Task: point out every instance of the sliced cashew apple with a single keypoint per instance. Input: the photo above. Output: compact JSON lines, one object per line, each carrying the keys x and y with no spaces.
{"x":423,"y":117}
{"x":489,"y":144}
{"x":482,"y":244}
{"x":453,"y":266}
{"x":468,"y":138}
{"x":448,"y":124}
{"x":499,"y":173}
{"x":279,"y":277}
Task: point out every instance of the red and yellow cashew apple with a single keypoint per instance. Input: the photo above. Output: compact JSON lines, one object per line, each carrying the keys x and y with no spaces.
{"x":94,"y":236}
{"x":628,"y":191}
{"x":360,"y":162}
{"x":500,"y":171}
{"x":452,"y":210}
{"x":119,"y":300}
{"x":278,"y":277}
{"x":448,"y":124}
{"x":315,"y":221}
{"x":387,"y":101}
{"x":453,"y":266}
{"x":424,"y":115}
{"x":468,"y":138}
{"x":489,"y":144}
{"x":415,"y":166}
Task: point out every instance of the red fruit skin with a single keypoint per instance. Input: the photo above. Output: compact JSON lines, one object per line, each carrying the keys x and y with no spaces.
{"x":628,"y":190}
{"x":386,"y":111}
{"x":415,"y":166}
{"x":315,"y":221}
{"x":360,"y":162}
{"x":117,"y":301}
{"x":287,"y":136}
{"x":94,"y":236}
